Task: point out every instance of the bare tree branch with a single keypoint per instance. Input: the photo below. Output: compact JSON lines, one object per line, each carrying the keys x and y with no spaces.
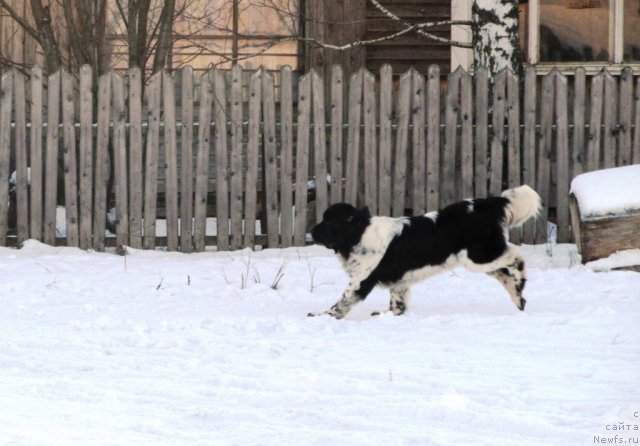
{"x":423,"y":33}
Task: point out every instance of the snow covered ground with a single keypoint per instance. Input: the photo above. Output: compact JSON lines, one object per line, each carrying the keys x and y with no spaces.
{"x":158,"y":348}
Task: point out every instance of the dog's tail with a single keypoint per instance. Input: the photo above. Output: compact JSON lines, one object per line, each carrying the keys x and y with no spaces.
{"x":524,"y":203}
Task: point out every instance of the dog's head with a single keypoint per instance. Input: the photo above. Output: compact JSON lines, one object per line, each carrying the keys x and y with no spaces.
{"x":341,"y":227}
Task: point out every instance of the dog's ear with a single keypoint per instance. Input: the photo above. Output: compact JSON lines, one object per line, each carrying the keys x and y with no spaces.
{"x":364,"y":213}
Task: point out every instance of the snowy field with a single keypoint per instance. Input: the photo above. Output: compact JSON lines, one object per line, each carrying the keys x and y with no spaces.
{"x":157,"y":348}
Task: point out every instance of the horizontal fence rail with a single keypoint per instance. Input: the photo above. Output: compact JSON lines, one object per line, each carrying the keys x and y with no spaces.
{"x":106,"y":161}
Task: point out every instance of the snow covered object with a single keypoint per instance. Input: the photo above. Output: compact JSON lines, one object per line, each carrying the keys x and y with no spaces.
{"x":605,"y":211}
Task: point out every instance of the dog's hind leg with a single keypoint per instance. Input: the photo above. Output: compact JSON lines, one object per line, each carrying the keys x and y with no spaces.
{"x":513,"y":278}
{"x":351,"y":296}
{"x":400,"y":296}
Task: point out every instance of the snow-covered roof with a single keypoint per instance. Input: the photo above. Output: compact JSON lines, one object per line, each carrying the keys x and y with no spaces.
{"x":608,"y":192}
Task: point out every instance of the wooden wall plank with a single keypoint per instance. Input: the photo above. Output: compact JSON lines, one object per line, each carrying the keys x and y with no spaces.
{"x":186,"y":161}
{"x":319,"y":144}
{"x":202,"y":168}
{"x":22,"y":172}
{"x":69,"y":158}
{"x":86,"y":158}
{"x":235,"y":171}
{"x":433,"y":138}
{"x":154,"y":96}
{"x":286,"y":157}
{"x":371,"y":178}
{"x":253,"y":149}
{"x":386,"y":133}
{"x":136,"y":150}
{"x":121,"y":180}
{"x":270,"y":159}
{"x":400,"y":165}
{"x":51,"y":159}
{"x":302,"y":159}
{"x":36,"y":154}
{"x":336,"y":149}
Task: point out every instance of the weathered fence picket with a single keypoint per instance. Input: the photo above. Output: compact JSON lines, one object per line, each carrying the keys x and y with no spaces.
{"x":135,"y":149}
{"x":22,"y":170}
{"x":69,"y":157}
{"x":186,"y":161}
{"x":6,"y":97}
{"x":278,"y":150}
{"x":51,"y":159}
{"x":36,"y":154}
{"x":85,"y":157}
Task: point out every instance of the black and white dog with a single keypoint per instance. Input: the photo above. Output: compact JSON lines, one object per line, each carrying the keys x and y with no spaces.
{"x":397,"y":252}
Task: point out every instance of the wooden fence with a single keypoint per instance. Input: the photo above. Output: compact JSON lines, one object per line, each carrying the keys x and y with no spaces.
{"x":230,"y":145}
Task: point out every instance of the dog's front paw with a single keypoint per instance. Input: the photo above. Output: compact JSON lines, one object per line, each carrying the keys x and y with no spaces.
{"x":327,"y":313}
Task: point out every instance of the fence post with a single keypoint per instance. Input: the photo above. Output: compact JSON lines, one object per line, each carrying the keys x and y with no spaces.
{"x":102,"y":162}
{"x":186,"y":160}
{"x":51,"y":159}
{"x":270,"y":159}
{"x":466,"y":146}
{"x":86,"y":158}
{"x":202,"y":167}
{"x":497,"y":139}
{"x":253,"y":148}
{"x":319,"y":143}
{"x":433,"y":138}
{"x":371,"y":178}
{"x":544,"y":152}
{"x":419,"y":161}
{"x":136,"y":173}
{"x":353,"y":137}
{"x":22,"y":173}
{"x":529,"y":143}
{"x":402,"y":144}
{"x":120,"y":162}
{"x":562,"y":159}
{"x":70,"y":164}
{"x":482,"y":131}
{"x":286,"y":156}
{"x":35,"y":141}
{"x":302,"y":159}
{"x":595,"y":120}
{"x":449,"y":189}
{"x":514,"y":178}
{"x":337,"y":118}
{"x":6,"y":99}
{"x":170,"y":160}
{"x":385,"y":149}
{"x":237,"y":142}
{"x":154,"y":92}
{"x":222,"y":158}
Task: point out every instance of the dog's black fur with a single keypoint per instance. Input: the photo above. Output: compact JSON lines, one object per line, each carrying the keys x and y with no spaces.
{"x":397,"y":252}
